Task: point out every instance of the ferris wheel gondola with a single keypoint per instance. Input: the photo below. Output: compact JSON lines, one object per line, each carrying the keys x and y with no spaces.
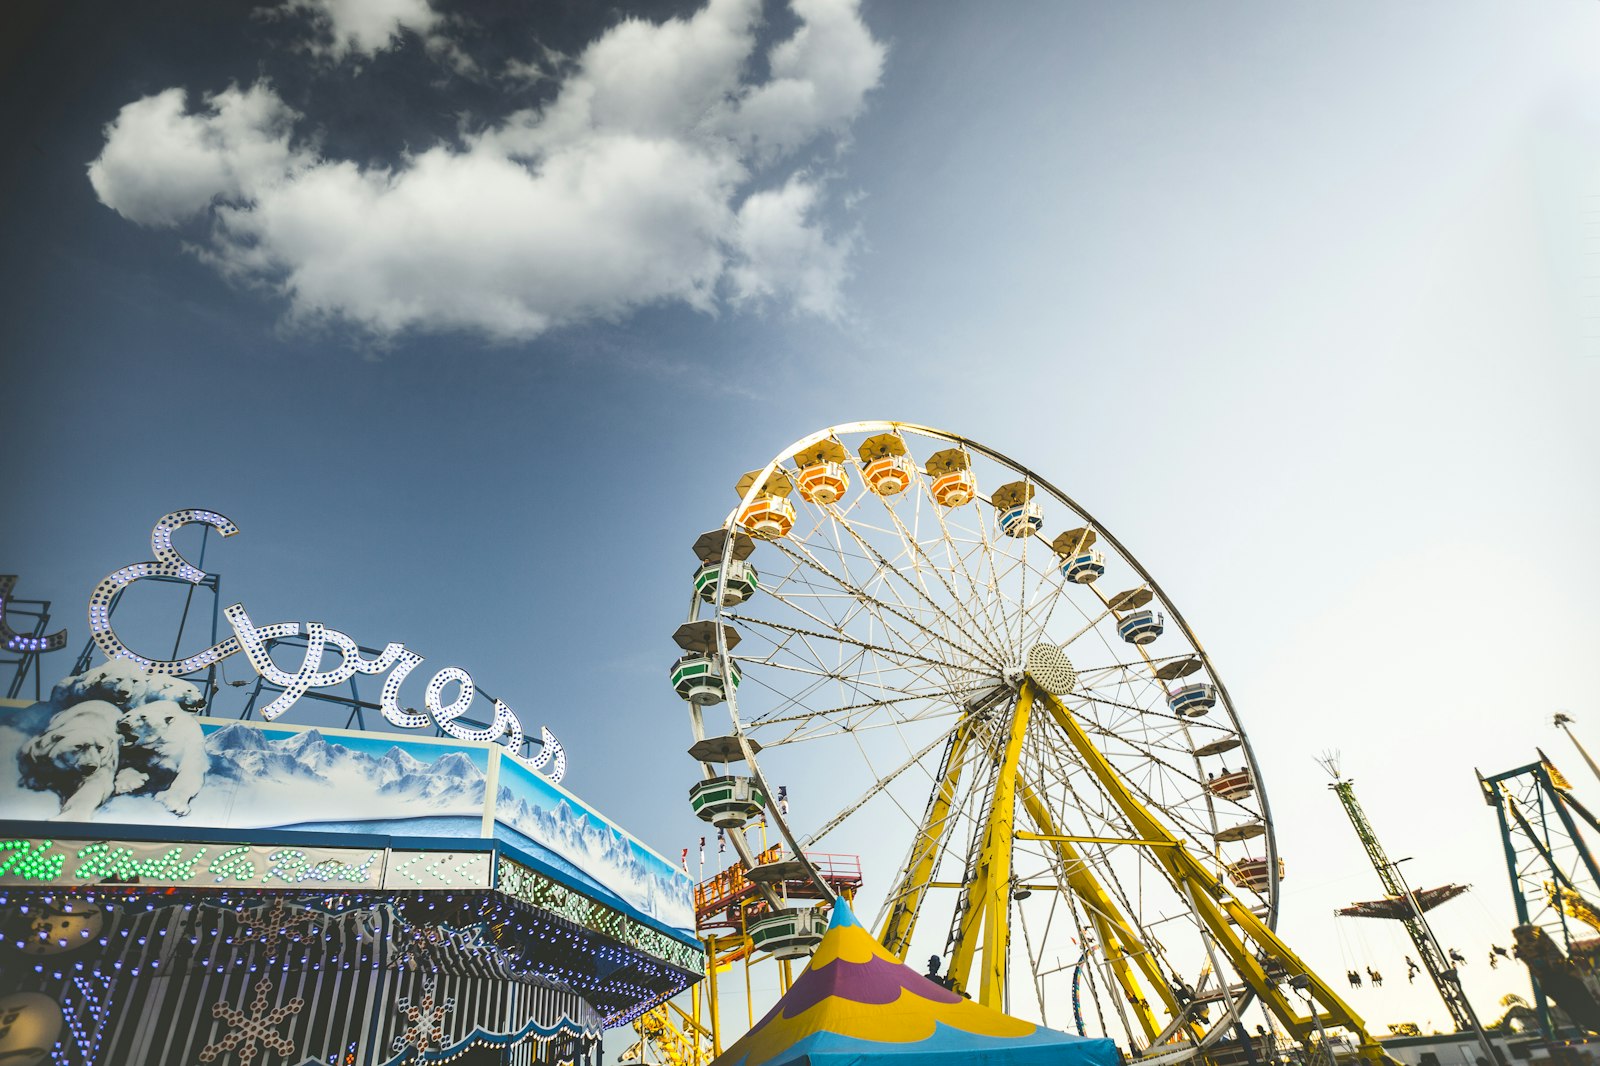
{"x":928,"y":667}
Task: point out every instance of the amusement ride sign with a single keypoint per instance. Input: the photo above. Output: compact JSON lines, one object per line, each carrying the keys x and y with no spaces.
{"x":396,"y":659}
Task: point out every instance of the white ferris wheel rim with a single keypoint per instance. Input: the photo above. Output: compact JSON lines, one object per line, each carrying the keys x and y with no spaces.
{"x":1271,"y":898}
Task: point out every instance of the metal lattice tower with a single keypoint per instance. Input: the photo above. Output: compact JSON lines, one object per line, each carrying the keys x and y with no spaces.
{"x":1438,"y":966}
{"x":1555,"y":882}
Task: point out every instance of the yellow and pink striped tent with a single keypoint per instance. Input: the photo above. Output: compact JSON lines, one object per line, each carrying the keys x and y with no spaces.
{"x":857,"y":1005}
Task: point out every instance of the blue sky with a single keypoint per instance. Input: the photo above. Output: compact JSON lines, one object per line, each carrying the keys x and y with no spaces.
{"x":1299,"y":301}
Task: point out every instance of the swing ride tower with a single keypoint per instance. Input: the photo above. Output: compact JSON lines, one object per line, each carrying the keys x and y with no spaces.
{"x":1434,"y":960}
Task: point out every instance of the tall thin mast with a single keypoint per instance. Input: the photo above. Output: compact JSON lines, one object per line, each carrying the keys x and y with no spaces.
{"x":1443,"y":974}
{"x":1564,"y":721}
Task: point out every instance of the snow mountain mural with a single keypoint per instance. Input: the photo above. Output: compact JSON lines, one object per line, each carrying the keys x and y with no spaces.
{"x":116,"y":745}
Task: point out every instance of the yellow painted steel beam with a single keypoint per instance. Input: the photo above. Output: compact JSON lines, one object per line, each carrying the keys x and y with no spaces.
{"x":716,"y":1012}
{"x":988,"y":909}
{"x":895,"y":935}
{"x":1034,"y":886}
{"x":1216,"y":906}
{"x":1025,"y":835}
{"x":1119,"y":943}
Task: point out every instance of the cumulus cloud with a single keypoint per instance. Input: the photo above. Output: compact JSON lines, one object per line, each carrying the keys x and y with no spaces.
{"x":659,"y":171}
{"x":163,"y":165}
{"x":780,"y":250}
{"x":343,"y":28}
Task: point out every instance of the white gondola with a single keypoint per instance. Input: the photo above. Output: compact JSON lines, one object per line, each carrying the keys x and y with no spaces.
{"x":822,"y":478}
{"x":769,"y":515}
{"x":887,"y":469}
{"x":1231,"y":785}
{"x":727,"y":802}
{"x":1022,"y":520}
{"x":703,"y":679}
{"x":1019,"y":511}
{"x":1192,"y":701}
{"x":1141,"y":627}
{"x":1254,"y":874}
{"x":1244,"y":831}
{"x":1085,"y":568}
{"x":702,"y":676}
{"x":742,"y":582}
{"x":954,"y":484}
{"x":790,"y":933}
{"x":823,"y":483}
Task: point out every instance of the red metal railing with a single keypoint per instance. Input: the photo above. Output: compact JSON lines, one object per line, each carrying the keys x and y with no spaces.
{"x":716,"y":898}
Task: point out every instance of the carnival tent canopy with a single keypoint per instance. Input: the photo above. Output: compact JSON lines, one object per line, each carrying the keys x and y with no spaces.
{"x":857,"y":1005}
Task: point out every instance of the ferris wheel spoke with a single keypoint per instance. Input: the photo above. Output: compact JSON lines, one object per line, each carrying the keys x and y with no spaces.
{"x":997,"y":574}
{"x":886,"y":568}
{"x":817,"y":723}
{"x":924,"y":559}
{"x":864,"y":696}
{"x":1089,"y":627}
{"x":878,"y":786}
{"x":855,"y":682}
{"x":764,"y":722}
{"x":865,"y":601}
{"x":877,"y":649}
{"x":1024,"y":606}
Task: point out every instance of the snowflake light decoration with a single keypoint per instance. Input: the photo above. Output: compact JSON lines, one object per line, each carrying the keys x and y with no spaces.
{"x":257,"y":1027}
{"x":268,"y":925}
{"x":424,"y":1020}
{"x":419,"y":947}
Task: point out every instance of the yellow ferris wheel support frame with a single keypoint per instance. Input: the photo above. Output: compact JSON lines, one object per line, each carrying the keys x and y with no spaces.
{"x":982,"y":927}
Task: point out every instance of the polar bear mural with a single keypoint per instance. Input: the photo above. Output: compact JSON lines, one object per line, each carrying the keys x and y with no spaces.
{"x":118,"y":729}
{"x":127,"y":685}
{"x":76,"y":757}
{"x":163,"y":753}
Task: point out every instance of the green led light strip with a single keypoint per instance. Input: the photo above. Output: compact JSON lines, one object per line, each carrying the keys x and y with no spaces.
{"x":535,"y":889}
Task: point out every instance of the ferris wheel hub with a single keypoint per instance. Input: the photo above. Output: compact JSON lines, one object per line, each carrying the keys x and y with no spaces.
{"x":1051,"y":670}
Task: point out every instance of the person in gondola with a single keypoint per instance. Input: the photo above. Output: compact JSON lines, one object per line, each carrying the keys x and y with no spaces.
{"x":1375,"y":977}
{"x":1457,"y":958}
{"x":1354,"y":978}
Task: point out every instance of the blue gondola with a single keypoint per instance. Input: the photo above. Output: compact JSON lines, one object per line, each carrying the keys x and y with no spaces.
{"x":1022,"y":520}
{"x":1141,"y":627}
{"x":1192,"y":701}
{"x":1084,"y":568}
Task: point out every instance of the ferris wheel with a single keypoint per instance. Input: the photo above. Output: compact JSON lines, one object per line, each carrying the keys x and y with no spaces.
{"x":944,"y":664}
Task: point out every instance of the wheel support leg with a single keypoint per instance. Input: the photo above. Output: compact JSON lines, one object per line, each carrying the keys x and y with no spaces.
{"x":1219,"y":909}
{"x":1119,"y":943}
{"x":913,"y":886}
{"x":989,"y":898}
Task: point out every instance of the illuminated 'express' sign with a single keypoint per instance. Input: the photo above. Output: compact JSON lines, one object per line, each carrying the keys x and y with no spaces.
{"x":396,"y":659}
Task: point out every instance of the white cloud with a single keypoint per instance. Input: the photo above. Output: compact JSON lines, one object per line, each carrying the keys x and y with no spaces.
{"x":636,"y":185}
{"x":820,"y":77}
{"x":163,"y":165}
{"x":780,"y":250}
{"x":363,"y":27}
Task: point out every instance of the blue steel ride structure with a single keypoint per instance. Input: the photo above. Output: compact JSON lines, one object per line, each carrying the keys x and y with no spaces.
{"x":1555,"y":885}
